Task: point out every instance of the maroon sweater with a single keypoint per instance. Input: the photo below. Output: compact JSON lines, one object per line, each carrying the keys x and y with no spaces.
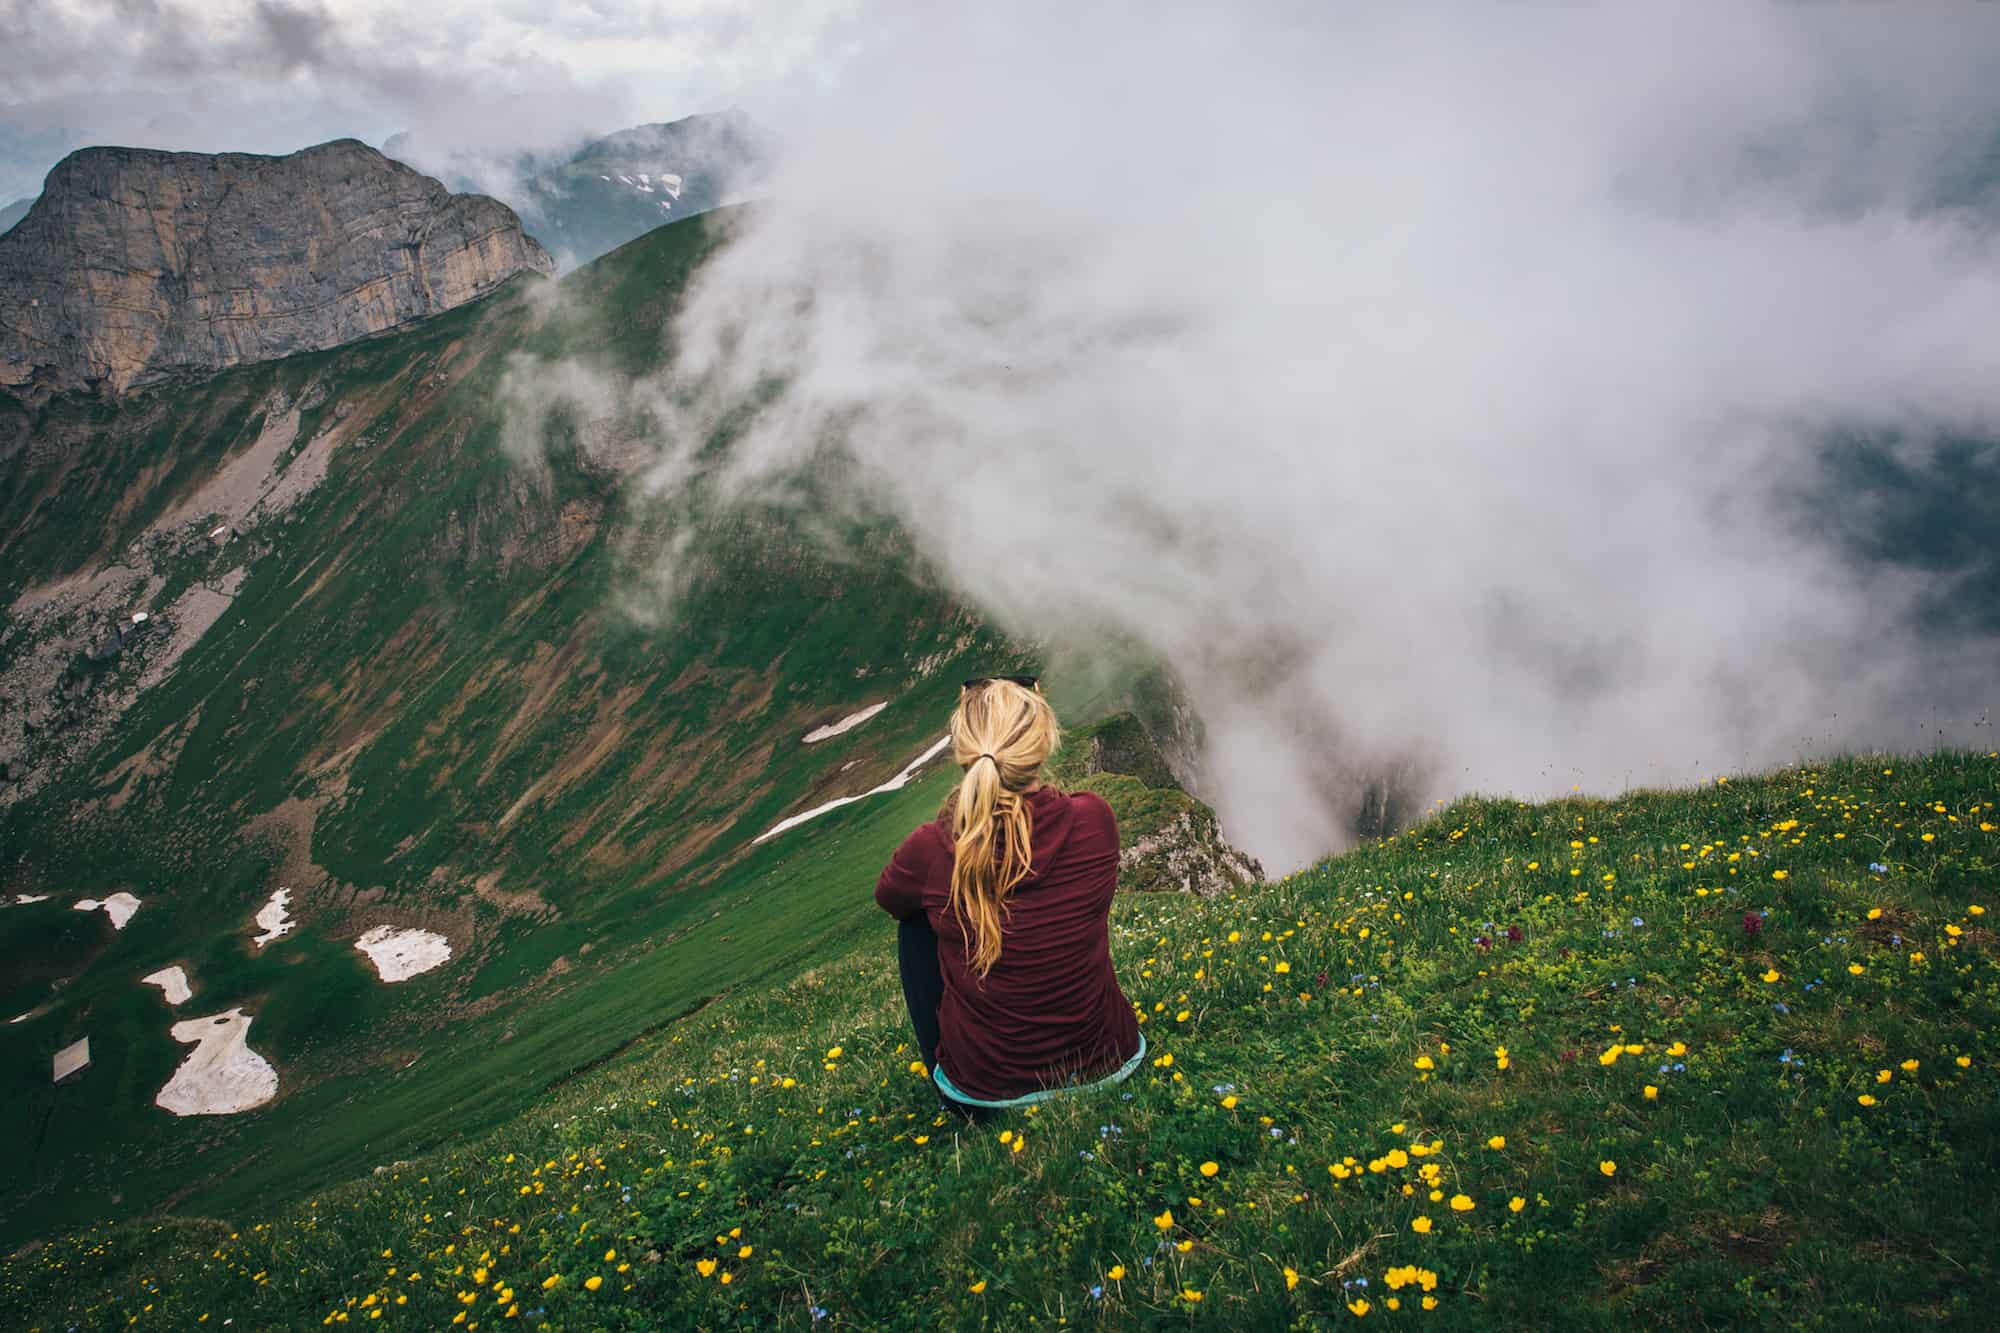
{"x":1051,"y":1005}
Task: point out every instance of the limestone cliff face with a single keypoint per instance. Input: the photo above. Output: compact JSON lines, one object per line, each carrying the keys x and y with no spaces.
{"x":137,"y":265}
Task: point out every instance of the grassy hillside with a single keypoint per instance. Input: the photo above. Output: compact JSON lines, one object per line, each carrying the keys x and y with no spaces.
{"x":1708,"y":1058}
{"x":421,"y":706}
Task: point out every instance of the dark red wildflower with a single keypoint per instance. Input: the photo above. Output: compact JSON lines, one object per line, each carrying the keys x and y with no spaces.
{"x":1752,"y":922}
{"x":1513,"y":934}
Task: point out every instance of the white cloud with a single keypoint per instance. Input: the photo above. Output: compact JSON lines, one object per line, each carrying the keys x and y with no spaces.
{"x":1425,"y":385}
{"x":1423,"y":388}
{"x":464,"y":77}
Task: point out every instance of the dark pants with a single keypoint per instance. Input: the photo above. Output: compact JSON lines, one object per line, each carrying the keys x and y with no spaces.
{"x":923,"y":988}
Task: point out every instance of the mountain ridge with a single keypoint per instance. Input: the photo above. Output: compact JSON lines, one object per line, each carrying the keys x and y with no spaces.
{"x":586,"y":202}
{"x":139,"y":265}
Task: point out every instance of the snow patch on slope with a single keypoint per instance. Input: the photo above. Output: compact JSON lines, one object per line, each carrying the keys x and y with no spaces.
{"x":173,"y":984}
{"x":846,"y":724}
{"x":119,"y":907}
{"x":893,"y":784}
{"x":400,"y":953}
{"x":222,"y":1075}
{"x":274,"y":918}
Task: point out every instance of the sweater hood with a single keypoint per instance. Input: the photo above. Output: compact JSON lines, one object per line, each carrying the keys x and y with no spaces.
{"x":1052,"y":817}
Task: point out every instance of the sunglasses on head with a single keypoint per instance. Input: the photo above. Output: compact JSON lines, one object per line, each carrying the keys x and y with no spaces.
{"x":1025,"y":682}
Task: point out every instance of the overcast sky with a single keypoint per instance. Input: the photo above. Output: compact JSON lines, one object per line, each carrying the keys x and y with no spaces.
{"x":275,"y":75}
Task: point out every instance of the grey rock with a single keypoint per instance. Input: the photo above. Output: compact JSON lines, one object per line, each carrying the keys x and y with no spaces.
{"x":136,"y":265}
{"x":1188,"y":855}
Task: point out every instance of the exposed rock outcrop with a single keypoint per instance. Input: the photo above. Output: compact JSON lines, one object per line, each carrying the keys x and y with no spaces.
{"x":136,"y":265}
{"x":1170,"y":839}
{"x":1188,"y":854}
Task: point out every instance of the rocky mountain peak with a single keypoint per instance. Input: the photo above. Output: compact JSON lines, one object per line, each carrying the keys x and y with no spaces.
{"x":137,"y":265}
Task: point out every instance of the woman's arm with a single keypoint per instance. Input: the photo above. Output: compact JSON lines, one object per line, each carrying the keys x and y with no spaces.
{"x":900,"y":890}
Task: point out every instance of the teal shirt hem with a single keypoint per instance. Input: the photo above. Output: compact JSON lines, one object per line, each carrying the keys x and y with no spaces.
{"x":1117,"y":1076}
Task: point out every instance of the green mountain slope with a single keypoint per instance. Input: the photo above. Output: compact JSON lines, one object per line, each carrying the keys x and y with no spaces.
{"x":416,"y":704}
{"x":318,"y":626}
{"x":1713,"y":1058}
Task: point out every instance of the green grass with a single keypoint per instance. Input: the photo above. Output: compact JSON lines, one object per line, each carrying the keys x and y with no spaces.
{"x":1333,"y":1042}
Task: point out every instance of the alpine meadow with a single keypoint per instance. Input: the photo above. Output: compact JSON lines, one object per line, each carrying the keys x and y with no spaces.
{"x":1504,"y":508}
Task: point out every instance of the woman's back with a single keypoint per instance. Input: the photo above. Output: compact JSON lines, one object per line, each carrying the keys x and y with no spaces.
{"x":1049,"y":1006}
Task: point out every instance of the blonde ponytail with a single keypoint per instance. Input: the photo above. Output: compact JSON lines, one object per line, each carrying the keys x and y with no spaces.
{"x":1001,"y":733}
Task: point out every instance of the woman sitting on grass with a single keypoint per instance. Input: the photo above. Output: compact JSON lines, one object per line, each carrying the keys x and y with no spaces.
{"x":1005,"y":904}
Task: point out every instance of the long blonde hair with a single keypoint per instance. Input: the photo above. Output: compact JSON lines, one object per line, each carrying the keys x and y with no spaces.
{"x":1001,"y":733}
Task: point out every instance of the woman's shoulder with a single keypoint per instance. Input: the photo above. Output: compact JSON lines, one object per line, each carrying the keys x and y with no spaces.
{"x":1087,"y":800}
{"x":1088,"y":805}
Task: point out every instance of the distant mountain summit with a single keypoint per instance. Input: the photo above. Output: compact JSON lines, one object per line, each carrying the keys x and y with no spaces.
{"x":14,"y":212}
{"x":136,"y":265}
{"x":623,"y":185}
